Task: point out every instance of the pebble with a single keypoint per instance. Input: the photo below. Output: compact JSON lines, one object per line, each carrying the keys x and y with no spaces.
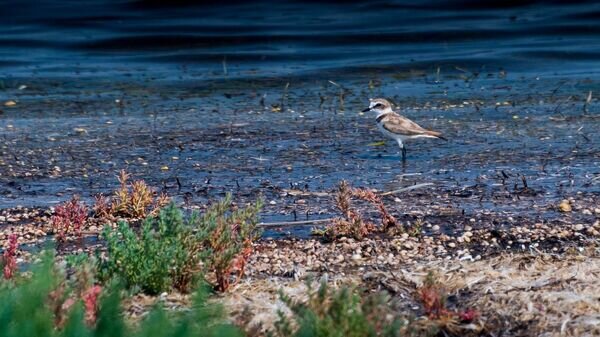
{"x":565,"y":206}
{"x":579,"y":227}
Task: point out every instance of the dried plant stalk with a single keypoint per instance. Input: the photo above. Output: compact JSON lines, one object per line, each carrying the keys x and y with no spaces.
{"x":352,"y":223}
{"x":131,"y":200}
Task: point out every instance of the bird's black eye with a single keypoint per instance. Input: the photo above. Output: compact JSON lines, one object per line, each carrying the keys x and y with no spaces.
{"x":379,"y":105}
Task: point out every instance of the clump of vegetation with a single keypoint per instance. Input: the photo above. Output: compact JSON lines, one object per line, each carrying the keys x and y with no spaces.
{"x":348,"y":312}
{"x":69,"y":218}
{"x":163,"y":255}
{"x":352,"y":223}
{"x":9,"y":258}
{"x":339,"y":313}
{"x":131,"y":200}
{"x":44,"y":304}
{"x":168,"y":251}
{"x":433,"y":298}
{"x":387,"y":220}
{"x":227,"y":237}
{"x":102,"y":206}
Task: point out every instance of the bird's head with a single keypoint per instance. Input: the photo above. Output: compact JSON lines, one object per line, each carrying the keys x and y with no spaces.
{"x":379,"y":106}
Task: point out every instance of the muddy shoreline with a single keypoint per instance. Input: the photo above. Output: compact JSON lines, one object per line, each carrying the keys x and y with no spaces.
{"x":514,"y":152}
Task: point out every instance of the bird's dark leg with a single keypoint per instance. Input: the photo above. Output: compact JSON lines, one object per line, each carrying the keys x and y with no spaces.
{"x":403,"y":149}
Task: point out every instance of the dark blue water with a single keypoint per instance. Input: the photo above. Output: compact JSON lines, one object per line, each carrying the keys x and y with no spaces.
{"x":283,"y":39}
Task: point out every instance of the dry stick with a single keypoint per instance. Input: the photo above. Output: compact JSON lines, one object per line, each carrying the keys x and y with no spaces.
{"x":294,"y":223}
{"x":409,"y":188}
{"x":588,"y":100}
{"x":312,"y":222}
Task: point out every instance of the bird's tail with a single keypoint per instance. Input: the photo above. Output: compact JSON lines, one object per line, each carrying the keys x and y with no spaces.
{"x":436,"y":135}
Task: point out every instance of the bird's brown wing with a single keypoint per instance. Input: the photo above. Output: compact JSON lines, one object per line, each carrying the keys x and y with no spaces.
{"x":403,"y":126}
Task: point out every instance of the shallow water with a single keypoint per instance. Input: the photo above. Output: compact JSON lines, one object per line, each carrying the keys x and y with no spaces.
{"x":264,"y":99}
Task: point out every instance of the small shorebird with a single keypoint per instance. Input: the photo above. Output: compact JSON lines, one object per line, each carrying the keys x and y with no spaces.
{"x":396,"y":126}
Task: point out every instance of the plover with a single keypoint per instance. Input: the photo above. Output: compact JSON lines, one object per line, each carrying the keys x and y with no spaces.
{"x":396,"y":126}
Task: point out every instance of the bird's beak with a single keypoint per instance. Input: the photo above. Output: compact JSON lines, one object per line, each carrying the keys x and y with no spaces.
{"x":367,"y":109}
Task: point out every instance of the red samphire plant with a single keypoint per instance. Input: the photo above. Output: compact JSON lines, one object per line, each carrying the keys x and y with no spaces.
{"x":432,"y":296}
{"x":90,"y":302}
{"x":9,"y":258}
{"x":69,"y":217}
{"x":352,"y":223}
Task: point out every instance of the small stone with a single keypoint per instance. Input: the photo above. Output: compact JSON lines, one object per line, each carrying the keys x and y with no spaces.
{"x":565,"y":206}
{"x":356,"y":257}
{"x":452,"y":245}
{"x":579,"y":227}
{"x":435,"y":228}
{"x":586,"y":212}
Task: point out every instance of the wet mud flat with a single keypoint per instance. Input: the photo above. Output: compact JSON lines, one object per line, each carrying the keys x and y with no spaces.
{"x":516,"y":149}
